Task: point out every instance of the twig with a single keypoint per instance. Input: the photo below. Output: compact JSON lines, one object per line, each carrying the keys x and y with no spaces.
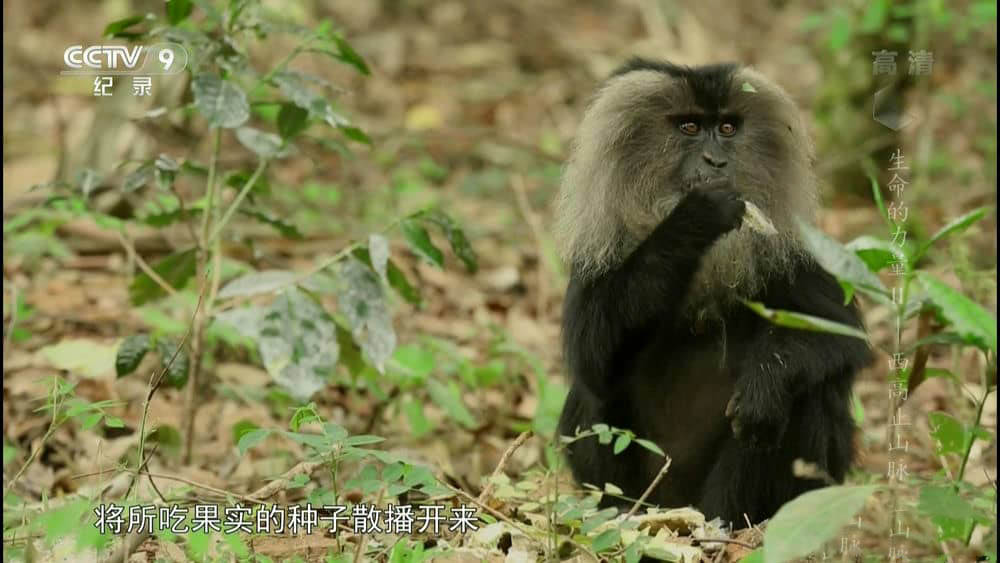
{"x":719,"y":540}
{"x":236,"y":202}
{"x":143,"y":265}
{"x":649,"y":489}
{"x":156,"y":380}
{"x":504,"y":459}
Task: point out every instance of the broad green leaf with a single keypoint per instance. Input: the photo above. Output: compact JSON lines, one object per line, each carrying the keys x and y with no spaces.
{"x":875,"y":252}
{"x":297,"y":343}
{"x":456,"y":237}
{"x":419,"y":424}
{"x":177,"y":372}
{"x":449,"y":398}
{"x":804,"y":524}
{"x":251,"y":438}
{"x":967,"y":317}
{"x":594,"y":521}
{"x":292,"y":120}
{"x":266,"y":145}
{"x":265,"y":281}
{"x":621,"y":442}
{"x":349,"y":55}
{"x":606,"y":540}
{"x":223,"y":103}
{"x":355,"y":134}
{"x":839,"y":261}
{"x":398,"y":281}
{"x":944,"y":501}
{"x":242,"y":427}
{"x":420,"y":241}
{"x":651,"y":446}
{"x":378,"y":253}
{"x":117,"y":28}
{"x":362,"y":301}
{"x":948,"y":432}
{"x":178,"y":10}
{"x":175,"y":269}
{"x":130,"y":353}
{"x":286,"y":229}
{"x":805,"y":322}
{"x":954,"y":226}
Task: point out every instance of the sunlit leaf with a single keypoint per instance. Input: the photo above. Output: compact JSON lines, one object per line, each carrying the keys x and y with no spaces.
{"x":223,"y":103}
{"x":804,"y":524}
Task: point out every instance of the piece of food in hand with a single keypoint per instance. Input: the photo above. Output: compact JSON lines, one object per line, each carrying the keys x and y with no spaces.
{"x":757,"y":221}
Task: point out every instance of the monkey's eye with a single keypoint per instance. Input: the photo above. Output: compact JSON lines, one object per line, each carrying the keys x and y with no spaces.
{"x":689,"y":128}
{"x":727,"y":129}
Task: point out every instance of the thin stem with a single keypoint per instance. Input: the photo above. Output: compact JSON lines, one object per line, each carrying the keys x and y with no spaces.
{"x":206,"y":219}
{"x":221,"y":224}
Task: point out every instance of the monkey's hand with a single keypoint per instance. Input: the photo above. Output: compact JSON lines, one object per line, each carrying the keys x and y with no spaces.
{"x":759,"y":416}
{"x":716,"y":204}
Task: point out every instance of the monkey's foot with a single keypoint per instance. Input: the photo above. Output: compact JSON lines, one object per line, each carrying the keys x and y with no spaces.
{"x":755,"y":422}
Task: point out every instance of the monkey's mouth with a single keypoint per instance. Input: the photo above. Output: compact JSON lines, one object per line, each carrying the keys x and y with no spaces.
{"x":707,"y":182}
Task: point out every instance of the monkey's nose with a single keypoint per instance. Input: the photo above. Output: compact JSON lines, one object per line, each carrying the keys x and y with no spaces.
{"x":714,"y":160}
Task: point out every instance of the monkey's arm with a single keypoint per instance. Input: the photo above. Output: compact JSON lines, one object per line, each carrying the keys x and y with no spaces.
{"x":782,"y":361}
{"x":600,"y":314}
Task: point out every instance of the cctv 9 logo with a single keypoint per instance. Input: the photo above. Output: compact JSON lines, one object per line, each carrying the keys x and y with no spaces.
{"x":162,"y":58}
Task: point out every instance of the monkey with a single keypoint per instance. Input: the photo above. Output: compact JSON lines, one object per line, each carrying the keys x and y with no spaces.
{"x":656,"y":336}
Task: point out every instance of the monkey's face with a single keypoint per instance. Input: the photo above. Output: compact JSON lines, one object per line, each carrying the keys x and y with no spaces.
{"x":655,"y":131}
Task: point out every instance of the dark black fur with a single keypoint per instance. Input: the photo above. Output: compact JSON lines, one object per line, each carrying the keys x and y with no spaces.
{"x":638,"y":362}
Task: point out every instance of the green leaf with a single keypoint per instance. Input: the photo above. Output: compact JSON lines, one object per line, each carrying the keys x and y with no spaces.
{"x":175,"y":269}
{"x":420,"y":241}
{"x":223,"y":103}
{"x":456,"y":237}
{"x":256,"y":283}
{"x":875,"y":252}
{"x":954,"y":226}
{"x":804,"y":524}
{"x":286,"y":230}
{"x":117,"y":28}
{"x":349,"y":55}
{"x":419,"y":424}
{"x":177,"y":372}
{"x":178,"y":10}
{"x":292,"y":120}
{"x":363,"y":303}
{"x":606,"y":540}
{"x":651,"y":446}
{"x":242,"y":427}
{"x":747,"y":87}
{"x":130,"y":353}
{"x":805,"y":322}
{"x":297,"y":343}
{"x":944,"y":501}
{"x":355,"y":134}
{"x":398,"y":281}
{"x":449,"y":398}
{"x":600,"y":517}
{"x":138,"y":177}
{"x":251,"y":438}
{"x":949,"y":433}
{"x":967,"y":317}
{"x":839,"y":261}
{"x":266,"y":145}
{"x":621,"y":443}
